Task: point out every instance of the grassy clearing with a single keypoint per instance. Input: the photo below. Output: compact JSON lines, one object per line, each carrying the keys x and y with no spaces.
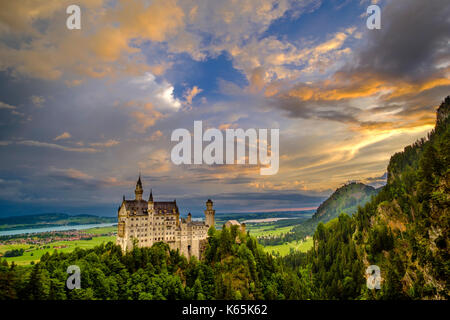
{"x":284,"y":249}
{"x":32,"y":253}
{"x":100,"y":230}
{"x":259,"y":230}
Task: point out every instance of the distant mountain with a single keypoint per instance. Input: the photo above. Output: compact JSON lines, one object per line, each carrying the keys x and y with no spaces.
{"x":345,"y":199}
{"x":51,"y":220}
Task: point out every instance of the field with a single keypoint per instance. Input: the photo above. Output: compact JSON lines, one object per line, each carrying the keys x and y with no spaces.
{"x":260,"y":229}
{"x":284,"y":249}
{"x":34,"y":253}
{"x":276,"y":229}
{"x":101,"y":230}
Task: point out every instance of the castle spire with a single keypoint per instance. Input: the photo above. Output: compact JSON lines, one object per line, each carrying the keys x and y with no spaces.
{"x":139,"y":182}
{"x":150,"y":199}
{"x":139,"y":190}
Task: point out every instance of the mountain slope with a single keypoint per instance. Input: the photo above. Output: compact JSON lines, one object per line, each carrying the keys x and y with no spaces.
{"x":345,"y":199}
{"x":404,"y":230}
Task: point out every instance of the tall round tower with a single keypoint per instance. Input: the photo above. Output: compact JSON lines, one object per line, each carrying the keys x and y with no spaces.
{"x":209,"y":213}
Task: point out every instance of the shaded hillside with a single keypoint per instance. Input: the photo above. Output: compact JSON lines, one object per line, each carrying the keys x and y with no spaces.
{"x":404,"y":230}
{"x":345,"y":199}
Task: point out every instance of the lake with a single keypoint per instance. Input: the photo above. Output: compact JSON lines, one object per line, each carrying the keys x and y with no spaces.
{"x":60,"y":228}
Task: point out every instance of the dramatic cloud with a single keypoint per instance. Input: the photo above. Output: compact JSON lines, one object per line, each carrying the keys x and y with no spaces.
{"x":395,"y":72}
{"x":84,"y":111}
{"x":412,"y":43}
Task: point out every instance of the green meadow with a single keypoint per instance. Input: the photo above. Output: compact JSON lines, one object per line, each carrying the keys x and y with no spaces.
{"x":274,"y":229}
{"x":285,"y":248}
{"x":262,"y":229}
{"x":33,"y":253}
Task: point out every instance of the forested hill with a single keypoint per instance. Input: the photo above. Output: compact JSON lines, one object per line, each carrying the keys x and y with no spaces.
{"x":345,"y":199}
{"x":404,"y":230}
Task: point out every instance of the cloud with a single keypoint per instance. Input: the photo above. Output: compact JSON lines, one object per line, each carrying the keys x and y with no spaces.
{"x":268,"y":59}
{"x":166,"y":96}
{"x":118,"y":31}
{"x":156,"y":135}
{"x":158,"y":161}
{"x":160,"y":94}
{"x":153,"y":22}
{"x":33,"y":143}
{"x":76,"y":177}
{"x":72,"y":173}
{"x":191,"y":93}
{"x":106,"y":48}
{"x":64,"y":135}
{"x":392,"y":82}
{"x":6,"y":106}
{"x":38,"y":101}
{"x":144,"y":120}
{"x":109,"y":143}
{"x":12,"y":109}
{"x":412,"y":41}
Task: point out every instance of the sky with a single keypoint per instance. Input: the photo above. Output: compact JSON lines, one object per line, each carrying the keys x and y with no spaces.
{"x":84,"y":112}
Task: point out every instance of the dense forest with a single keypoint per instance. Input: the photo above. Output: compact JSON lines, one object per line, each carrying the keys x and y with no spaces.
{"x":404,"y":230}
{"x":234,"y":267}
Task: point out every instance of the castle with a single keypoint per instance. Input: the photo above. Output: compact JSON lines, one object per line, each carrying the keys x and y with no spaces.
{"x":144,"y":223}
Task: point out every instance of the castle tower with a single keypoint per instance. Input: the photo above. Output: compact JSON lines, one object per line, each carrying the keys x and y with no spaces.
{"x":209,"y":213}
{"x":139,"y":191}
